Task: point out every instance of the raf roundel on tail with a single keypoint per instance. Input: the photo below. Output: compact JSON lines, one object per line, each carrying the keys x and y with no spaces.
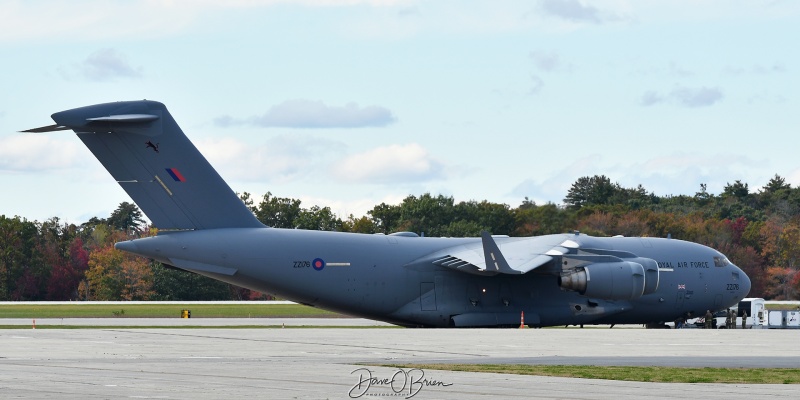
{"x":488,"y":281}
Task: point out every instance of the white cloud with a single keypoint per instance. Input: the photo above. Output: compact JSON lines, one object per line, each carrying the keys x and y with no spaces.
{"x":546,"y":62}
{"x":425,"y":18}
{"x":687,"y":97}
{"x":409,"y":12}
{"x":675,"y":174}
{"x":794,"y":178}
{"x":357,"y":207}
{"x":549,"y":61}
{"x":49,"y":20}
{"x":576,"y":11}
{"x":756,"y":69}
{"x":93,"y":19}
{"x":315,"y":114}
{"x":766,"y":97}
{"x":282,"y":158}
{"x":537,"y":84}
{"x":101,"y":66}
{"x":555,"y":186}
{"x":676,"y":70}
{"x":38,"y":152}
{"x":390,"y":164}
{"x":147,"y":19}
{"x":697,"y":97}
{"x":676,"y":169}
{"x":671,"y":70}
{"x":650,"y":97}
{"x":108,"y":64}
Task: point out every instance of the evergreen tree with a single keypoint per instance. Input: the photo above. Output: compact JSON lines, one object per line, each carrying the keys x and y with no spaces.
{"x":126,"y":217}
{"x":595,"y":190}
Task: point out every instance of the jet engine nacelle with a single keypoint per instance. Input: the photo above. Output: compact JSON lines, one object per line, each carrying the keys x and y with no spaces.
{"x":623,"y":280}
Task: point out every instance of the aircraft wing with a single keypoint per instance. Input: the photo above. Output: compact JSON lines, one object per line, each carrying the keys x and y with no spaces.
{"x":512,"y":256}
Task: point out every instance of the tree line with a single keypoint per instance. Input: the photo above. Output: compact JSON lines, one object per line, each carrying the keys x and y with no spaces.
{"x":758,"y":230}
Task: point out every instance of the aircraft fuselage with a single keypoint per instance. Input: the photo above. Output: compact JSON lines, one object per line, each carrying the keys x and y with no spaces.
{"x":388,"y":278}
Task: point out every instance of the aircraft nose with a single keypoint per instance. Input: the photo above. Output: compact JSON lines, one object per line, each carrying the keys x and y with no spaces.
{"x":744,"y":283}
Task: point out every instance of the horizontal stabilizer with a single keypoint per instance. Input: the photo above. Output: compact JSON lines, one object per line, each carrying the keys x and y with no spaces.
{"x":48,"y":128}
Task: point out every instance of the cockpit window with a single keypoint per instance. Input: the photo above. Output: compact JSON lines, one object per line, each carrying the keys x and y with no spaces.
{"x":721,"y":261}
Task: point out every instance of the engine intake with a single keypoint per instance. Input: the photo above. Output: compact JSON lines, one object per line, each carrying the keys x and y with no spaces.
{"x":623,"y":280}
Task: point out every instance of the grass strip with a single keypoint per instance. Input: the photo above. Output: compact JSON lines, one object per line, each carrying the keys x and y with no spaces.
{"x":156,"y":310}
{"x":622,"y":373}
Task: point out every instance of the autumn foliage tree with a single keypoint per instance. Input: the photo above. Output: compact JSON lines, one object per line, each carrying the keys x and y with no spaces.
{"x":116,"y":275}
{"x":757,"y":229}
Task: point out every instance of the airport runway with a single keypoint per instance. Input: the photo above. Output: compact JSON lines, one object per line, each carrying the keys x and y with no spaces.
{"x":323,"y":363}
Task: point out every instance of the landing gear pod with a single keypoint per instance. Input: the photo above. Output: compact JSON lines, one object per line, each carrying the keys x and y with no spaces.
{"x":622,"y":280}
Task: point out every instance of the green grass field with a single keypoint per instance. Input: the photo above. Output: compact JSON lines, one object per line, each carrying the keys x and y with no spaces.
{"x":790,"y":307}
{"x":156,"y":310}
{"x":639,"y":374}
{"x":40,"y":327}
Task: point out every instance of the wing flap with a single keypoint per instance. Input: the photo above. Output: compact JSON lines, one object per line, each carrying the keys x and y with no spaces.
{"x":457,"y":264}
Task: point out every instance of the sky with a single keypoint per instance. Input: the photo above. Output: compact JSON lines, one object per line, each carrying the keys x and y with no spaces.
{"x":348,"y":104}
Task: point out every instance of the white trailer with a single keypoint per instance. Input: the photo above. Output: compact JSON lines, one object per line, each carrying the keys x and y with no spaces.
{"x":756,"y":314}
{"x":783,"y":319}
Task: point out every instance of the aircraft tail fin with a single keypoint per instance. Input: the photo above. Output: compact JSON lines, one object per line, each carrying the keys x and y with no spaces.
{"x":145,"y":150}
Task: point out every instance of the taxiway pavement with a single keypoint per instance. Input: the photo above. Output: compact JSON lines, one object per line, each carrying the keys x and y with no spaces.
{"x":329,"y":363}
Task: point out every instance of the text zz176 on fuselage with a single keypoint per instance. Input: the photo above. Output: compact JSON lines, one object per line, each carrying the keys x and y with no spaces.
{"x":399,"y":278}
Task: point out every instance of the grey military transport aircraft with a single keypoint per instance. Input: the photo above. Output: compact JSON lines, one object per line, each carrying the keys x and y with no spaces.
{"x":401,"y":278}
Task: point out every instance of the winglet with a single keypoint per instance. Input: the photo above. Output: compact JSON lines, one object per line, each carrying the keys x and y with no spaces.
{"x":495,"y":261}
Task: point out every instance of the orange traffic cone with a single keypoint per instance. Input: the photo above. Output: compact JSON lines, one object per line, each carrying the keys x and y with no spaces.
{"x":34,"y":324}
{"x":522,"y":320}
